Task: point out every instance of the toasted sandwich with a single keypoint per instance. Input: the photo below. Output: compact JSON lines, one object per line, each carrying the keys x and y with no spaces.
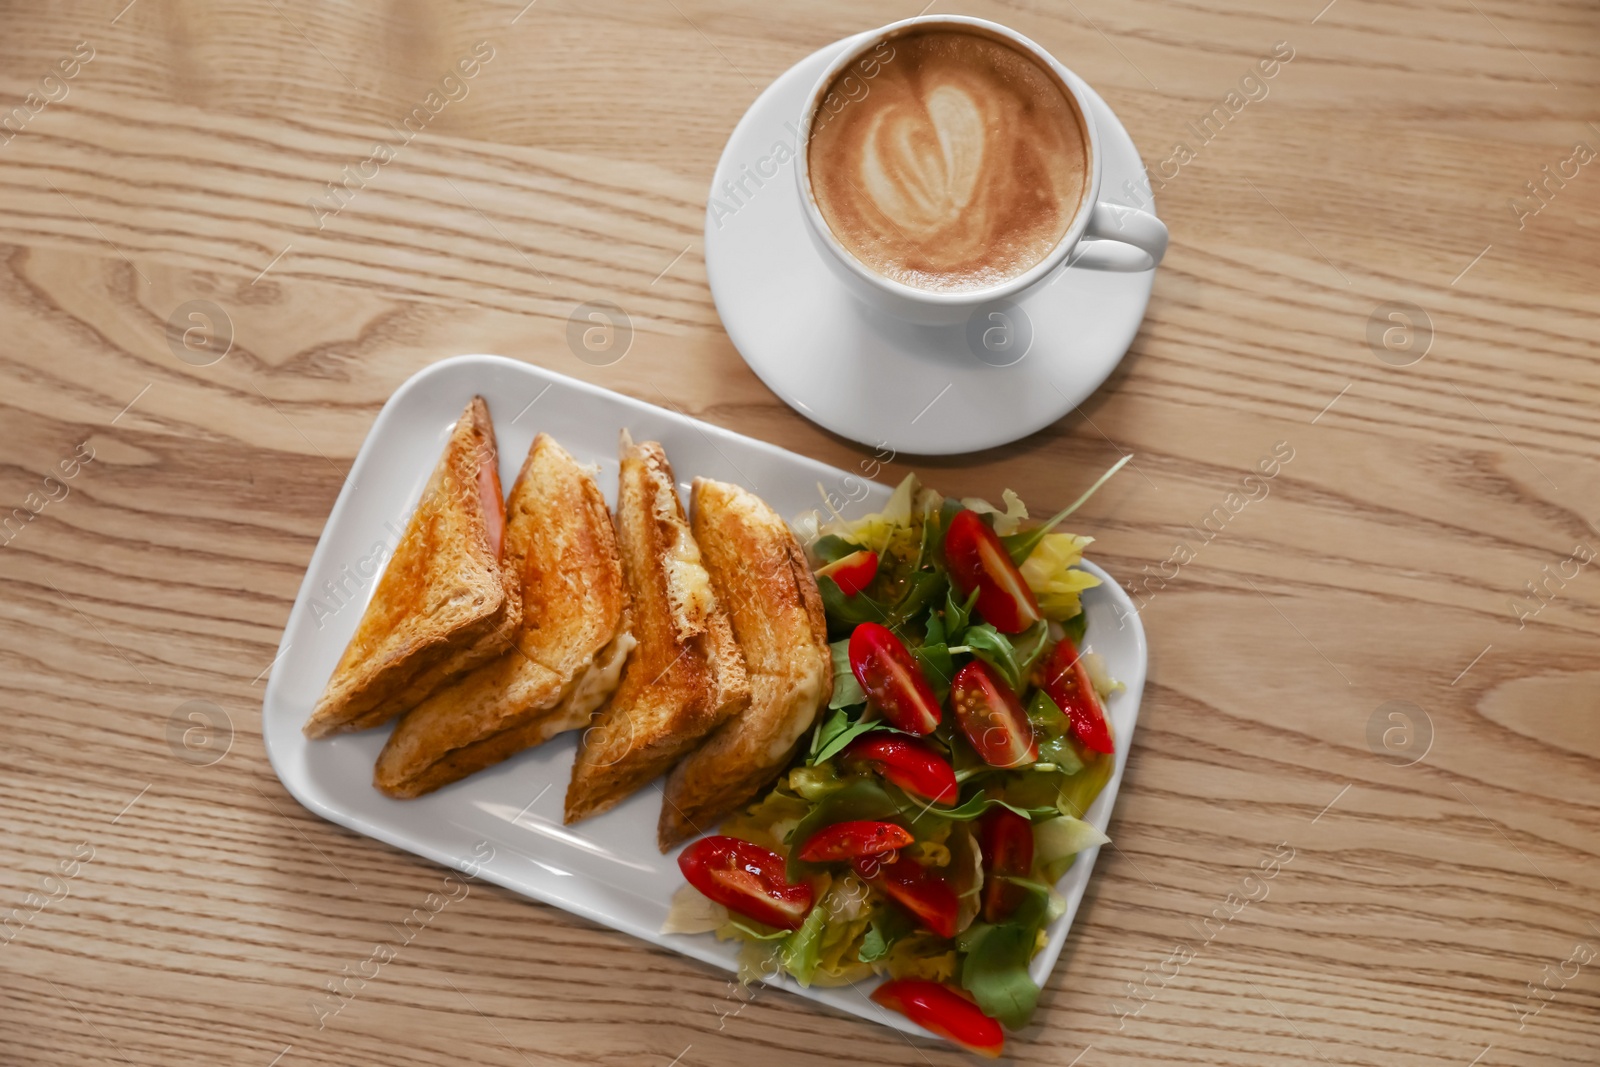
{"x":569,"y":650}
{"x":687,"y":675}
{"x":759,"y":571}
{"x":444,"y":604}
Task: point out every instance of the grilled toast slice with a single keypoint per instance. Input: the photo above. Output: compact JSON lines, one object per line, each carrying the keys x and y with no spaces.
{"x":569,"y":650}
{"x":687,"y":675}
{"x":760,"y":573}
{"x":444,"y":604}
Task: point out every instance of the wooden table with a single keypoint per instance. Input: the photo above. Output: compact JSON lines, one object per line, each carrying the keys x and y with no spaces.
{"x":1353,"y":672}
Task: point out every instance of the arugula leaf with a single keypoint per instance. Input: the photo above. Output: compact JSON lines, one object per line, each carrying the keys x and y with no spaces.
{"x":1020,"y":546}
{"x":937,"y":667}
{"x":995,"y":649}
{"x":832,"y":548}
{"x":1030,"y":645}
{"x":826,"y":730}
{"x":845,"y":613}
{"x":957,"y":614}
{"x":925,"y":588}
{"x":846,"y":690}
{"x":933,"y":629}
{"x":839,"y":741}
{"x":976,"y":805}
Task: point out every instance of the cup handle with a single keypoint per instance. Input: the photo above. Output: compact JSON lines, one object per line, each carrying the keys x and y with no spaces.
{"x":1120,"y":238}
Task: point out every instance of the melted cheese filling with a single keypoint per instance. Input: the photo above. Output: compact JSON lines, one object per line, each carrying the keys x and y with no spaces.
{"x":593,"y":685}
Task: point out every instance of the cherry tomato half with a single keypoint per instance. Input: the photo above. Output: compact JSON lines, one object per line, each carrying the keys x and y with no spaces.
{"x":847,"y":840}
{"x":928,"y":898}
{"x":912,"y":765}
{"x":991,"y":716}
{"x":1005,"y":840}
{"x":936,"y":1007}
{"x":1066,"y":682}
{"x":892,"y":679}
{"x":852,"y":573}
{"x":747,"y":879}
{"x":979,"y":561}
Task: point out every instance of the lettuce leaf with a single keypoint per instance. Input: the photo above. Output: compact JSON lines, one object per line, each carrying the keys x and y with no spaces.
{"x":769,"y":821}
{"x":920,"y":955}
{"x":1079,"y":791}
{"x":1057,"y":842}
{"x":888,"y":926}
{"x":1005,"y":522}
{"x":1051,"y":572}
{"x":691,"y":912}
{"x":995,"y":967}
{"x":1054,"y":734}
{"x":878,"y":529}
{"x":800,"y":950}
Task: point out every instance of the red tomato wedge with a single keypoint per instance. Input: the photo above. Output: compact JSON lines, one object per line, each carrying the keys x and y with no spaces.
{"x":912,"y":765}
{"x":979,"y":561}
{"x":940,"y":1009}
{"x":747,"y":879}
{"x":852,"y":573}
{"x":493,"y":501}
{"x":1005,"y":840}
{"x":848,"y":840}
{"x":1066,"y":681}
{"x":991,"y":716}
{"x":884,"y":667}
{"x":928,"y":898}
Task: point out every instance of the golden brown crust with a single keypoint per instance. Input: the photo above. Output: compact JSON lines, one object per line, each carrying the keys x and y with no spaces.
{"x":444,"y":604}
{"x":687,"y":674}
{"x":561,"y":545}
{"x":759,"y":571}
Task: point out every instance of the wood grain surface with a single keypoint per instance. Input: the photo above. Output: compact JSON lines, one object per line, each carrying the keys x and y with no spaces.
{"x":1355,"y":668}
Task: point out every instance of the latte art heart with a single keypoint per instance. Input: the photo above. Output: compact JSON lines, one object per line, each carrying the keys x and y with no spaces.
{"x":961,"y":166}
{"x":921,"y":167}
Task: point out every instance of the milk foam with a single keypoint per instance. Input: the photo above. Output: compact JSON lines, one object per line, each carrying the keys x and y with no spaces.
{"x":962,"y":165}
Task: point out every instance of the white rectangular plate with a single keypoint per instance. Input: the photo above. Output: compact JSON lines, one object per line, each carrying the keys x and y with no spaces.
{"x":504,"y":824}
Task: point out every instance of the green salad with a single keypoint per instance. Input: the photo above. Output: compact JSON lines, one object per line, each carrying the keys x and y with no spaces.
{"x":919,"y":836}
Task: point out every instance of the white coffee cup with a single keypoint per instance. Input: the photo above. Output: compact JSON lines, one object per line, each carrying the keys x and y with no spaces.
{"x":1103,"y":235}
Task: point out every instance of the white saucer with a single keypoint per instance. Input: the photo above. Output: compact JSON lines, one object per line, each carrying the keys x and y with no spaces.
{"x":888,"y":384}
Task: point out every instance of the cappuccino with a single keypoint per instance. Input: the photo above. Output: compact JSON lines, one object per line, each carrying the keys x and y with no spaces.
{"x":960,"y":165}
